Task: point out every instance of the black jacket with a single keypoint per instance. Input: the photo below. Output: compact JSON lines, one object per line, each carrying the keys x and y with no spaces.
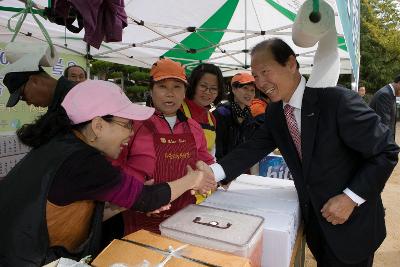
{"x":384,"y":104}
{"x":344,"y":145}
{"x":24,"y":237}
{"x":62,"y":88}
{"x":230,"y":133}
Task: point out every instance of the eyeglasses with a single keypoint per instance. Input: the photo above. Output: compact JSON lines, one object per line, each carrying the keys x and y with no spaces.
{"x":128,"y":125}
{"x":204,"y":88}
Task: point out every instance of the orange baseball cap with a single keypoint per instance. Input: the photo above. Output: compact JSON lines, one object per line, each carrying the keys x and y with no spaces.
{"x":166,"y":68}
{"x":243,"y":78}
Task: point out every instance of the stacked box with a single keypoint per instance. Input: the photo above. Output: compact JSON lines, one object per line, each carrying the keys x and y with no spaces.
{"x":225,"y":230}
{"x":273,"y":199}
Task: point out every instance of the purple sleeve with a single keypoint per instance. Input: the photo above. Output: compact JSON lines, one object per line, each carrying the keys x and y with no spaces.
{"x":123,"y":194}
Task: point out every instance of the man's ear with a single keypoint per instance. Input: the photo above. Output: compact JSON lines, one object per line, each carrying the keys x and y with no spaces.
{"x":34,"y":80}
{"x":292,"y":63}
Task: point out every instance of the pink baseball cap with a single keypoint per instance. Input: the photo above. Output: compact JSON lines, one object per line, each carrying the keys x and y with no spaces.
{"x":90,"y":99}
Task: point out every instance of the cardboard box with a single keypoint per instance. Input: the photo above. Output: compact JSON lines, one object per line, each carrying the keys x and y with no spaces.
{"x":153,"y":248}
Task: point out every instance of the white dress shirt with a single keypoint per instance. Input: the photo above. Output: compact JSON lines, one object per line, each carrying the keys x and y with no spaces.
{"x":391,"y":86}
{"x":296,"y":102}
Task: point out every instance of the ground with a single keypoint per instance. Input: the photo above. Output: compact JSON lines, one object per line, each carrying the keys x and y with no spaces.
{"x":388,"y":255}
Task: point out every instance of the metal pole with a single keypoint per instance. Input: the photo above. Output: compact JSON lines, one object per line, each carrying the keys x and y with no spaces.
{"x":315,"y":16}
{"x":87,"y":60}
{"x":245,"y":34}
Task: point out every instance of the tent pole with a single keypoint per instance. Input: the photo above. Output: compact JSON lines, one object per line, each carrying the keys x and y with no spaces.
{"x":127,"y":45}
{"x":315,"y":16}
{"x":245,"y":34}
{"x":88,"y":60}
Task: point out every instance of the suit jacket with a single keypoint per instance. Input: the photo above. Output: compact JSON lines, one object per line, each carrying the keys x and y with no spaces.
{"x":344,"y":145}
{"x":384,"y":104}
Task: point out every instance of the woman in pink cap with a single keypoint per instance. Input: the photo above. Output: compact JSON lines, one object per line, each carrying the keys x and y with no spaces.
{"x":51,"y":203}
{"x":165,"y":144}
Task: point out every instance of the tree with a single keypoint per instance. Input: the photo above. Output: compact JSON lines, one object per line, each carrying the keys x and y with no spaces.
{"x":101,"y":69}
{"x":380,"y":43}
{"x":133,"y":80}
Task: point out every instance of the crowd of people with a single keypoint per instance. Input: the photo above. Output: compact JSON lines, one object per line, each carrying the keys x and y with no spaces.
{"x":94,"y":146}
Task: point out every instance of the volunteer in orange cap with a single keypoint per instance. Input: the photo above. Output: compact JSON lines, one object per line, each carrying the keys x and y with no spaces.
{"x":165,"y":144}
{"x":234,"y":119}
{"x":259,"y":106}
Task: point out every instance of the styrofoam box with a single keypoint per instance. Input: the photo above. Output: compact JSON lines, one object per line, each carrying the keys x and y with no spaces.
{"x":215,"y":228}
{"x":10,"y":145}
{"x":273,"y":199}
{"x":255,"y":185}
{"x":278,"y":238}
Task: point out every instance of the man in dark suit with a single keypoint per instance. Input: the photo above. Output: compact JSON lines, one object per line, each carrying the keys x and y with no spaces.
{"x":338,"y":152}
{"x":384,"y":104}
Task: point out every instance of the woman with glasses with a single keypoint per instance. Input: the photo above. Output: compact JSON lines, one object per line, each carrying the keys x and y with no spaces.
{"x":51,"y":203}
{"x":165,"y":144}
{"x":234,"y":119}
{"x":205,"y":88}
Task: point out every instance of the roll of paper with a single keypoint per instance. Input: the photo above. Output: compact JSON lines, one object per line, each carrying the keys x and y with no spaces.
{"x":305,"y":33}
{"x":28,"y":57}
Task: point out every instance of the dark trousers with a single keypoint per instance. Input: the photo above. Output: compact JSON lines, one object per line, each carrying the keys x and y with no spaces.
{"x":321,"y":250}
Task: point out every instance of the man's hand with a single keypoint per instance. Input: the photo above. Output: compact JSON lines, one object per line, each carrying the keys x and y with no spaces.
{"x":224,"y":186}
{"x":338,"y":209}
{"x":203,"y":182}
{"x":202,"y":166}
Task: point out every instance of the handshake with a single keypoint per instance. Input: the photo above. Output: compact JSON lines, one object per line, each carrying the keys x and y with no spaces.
{"x":202,"y":179}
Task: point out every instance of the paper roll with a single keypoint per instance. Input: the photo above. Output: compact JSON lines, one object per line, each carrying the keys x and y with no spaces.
{"x":305,"y":33}
{"x":28,"y":57}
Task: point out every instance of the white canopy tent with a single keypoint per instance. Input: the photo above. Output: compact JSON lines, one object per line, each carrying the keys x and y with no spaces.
{"x":190,"y":31}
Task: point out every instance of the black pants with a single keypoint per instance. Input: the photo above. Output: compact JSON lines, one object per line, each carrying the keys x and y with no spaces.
{"x":321,"y":250}
{"x":112,"y":229}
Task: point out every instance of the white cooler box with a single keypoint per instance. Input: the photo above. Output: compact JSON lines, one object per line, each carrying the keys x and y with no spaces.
{"x":273,"y":199}
{"x":233,"y":232}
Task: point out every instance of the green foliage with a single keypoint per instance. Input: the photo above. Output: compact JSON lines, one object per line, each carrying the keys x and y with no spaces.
{"x":137,"y":89}
{"x":380,"y":43}
{"x":107,"y":70}
{"x":137,"y":93}
{"x":116,"y":74}
{"x":139,"y":76}
{"x":101,"y":68}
